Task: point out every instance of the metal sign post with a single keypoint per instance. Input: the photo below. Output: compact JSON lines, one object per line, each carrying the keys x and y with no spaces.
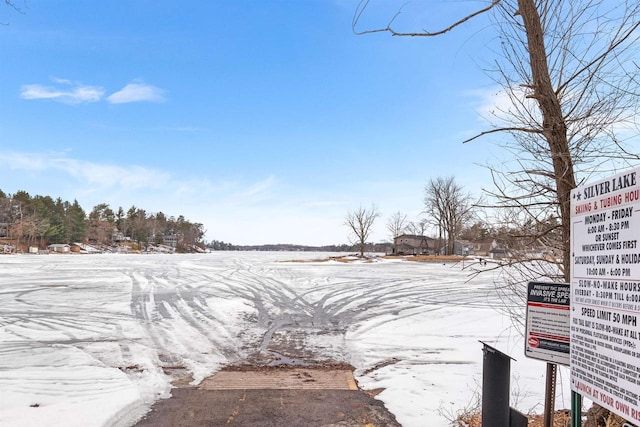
{"x":547,"y":333}
{"x":576,"y":409}
{"x":550,"y":395}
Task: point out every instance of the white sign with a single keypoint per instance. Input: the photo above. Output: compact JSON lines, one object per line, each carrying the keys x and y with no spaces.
{"x":548,"y":323}
{"x":605,"y":293}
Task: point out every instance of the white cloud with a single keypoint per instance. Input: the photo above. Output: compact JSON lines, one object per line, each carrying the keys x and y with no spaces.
{"x":70,"y":93}
{"x":64,"y":90}
{"x":105,"y":176}
{"x":492,"y":103}
{"x":260,"y":189}
{"x":137,"y":92}
{"x":61,"y":81}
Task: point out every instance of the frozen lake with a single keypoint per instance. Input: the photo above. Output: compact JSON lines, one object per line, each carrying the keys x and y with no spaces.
{"x":94,"y":340}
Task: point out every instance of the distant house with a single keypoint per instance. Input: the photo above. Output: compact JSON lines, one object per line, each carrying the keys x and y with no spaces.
{"x":463,"y":248}
{"x":118,"y":236}
{"x":460,"y":247}
{"x":411,"y":244}
{"x":4,"y":229}
{"x":482,"y":247}
{"x":172,"y":240}
{"x":59,"y":248}
{"x":491,"y":248}
{"x":498,"y":253}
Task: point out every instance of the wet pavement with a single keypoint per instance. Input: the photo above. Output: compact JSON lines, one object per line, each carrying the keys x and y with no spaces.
{"x":271,"y":397}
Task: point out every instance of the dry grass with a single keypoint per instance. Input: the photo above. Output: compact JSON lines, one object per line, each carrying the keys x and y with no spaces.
{"x":344,"y":259}
{"x":560,"y":419}
{"x":471,"y":414}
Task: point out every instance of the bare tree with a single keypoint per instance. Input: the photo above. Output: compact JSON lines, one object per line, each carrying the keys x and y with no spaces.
{"x":396,"y":225}
{"x":568,"y":70}
{"x":449,"y":207}
{"x":570,"y":86}
{"x":360,"y":222}
{"x":418,"y":228}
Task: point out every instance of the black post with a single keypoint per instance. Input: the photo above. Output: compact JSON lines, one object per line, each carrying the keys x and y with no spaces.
{"x":496,"y":372}
{"x":550,"y":395}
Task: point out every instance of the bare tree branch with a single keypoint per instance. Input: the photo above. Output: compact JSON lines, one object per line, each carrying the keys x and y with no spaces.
{"x":504,"y":129}
{"x":388,"y":29}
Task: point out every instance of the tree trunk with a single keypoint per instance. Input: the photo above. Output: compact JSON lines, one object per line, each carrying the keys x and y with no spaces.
{"x":554,"y":125}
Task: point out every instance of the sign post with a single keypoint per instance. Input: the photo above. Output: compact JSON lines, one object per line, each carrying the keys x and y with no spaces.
{"x":547,"y":333}
{"x":605,"y":293}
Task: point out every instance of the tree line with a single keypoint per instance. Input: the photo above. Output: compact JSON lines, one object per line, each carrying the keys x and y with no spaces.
{"x":217,"y":245}
{"x":448,"y":210}
{"x":41,"y":220}
{"x":450,"y":213}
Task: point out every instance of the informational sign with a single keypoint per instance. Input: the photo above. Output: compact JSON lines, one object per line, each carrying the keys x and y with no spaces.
{"x":548,"y":322}
{"x":605,"y":293}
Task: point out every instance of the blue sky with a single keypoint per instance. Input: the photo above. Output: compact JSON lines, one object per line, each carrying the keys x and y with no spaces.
{"x":264,"y":120}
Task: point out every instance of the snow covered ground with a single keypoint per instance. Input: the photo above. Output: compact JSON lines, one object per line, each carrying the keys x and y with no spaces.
{"x":94,"y":340}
